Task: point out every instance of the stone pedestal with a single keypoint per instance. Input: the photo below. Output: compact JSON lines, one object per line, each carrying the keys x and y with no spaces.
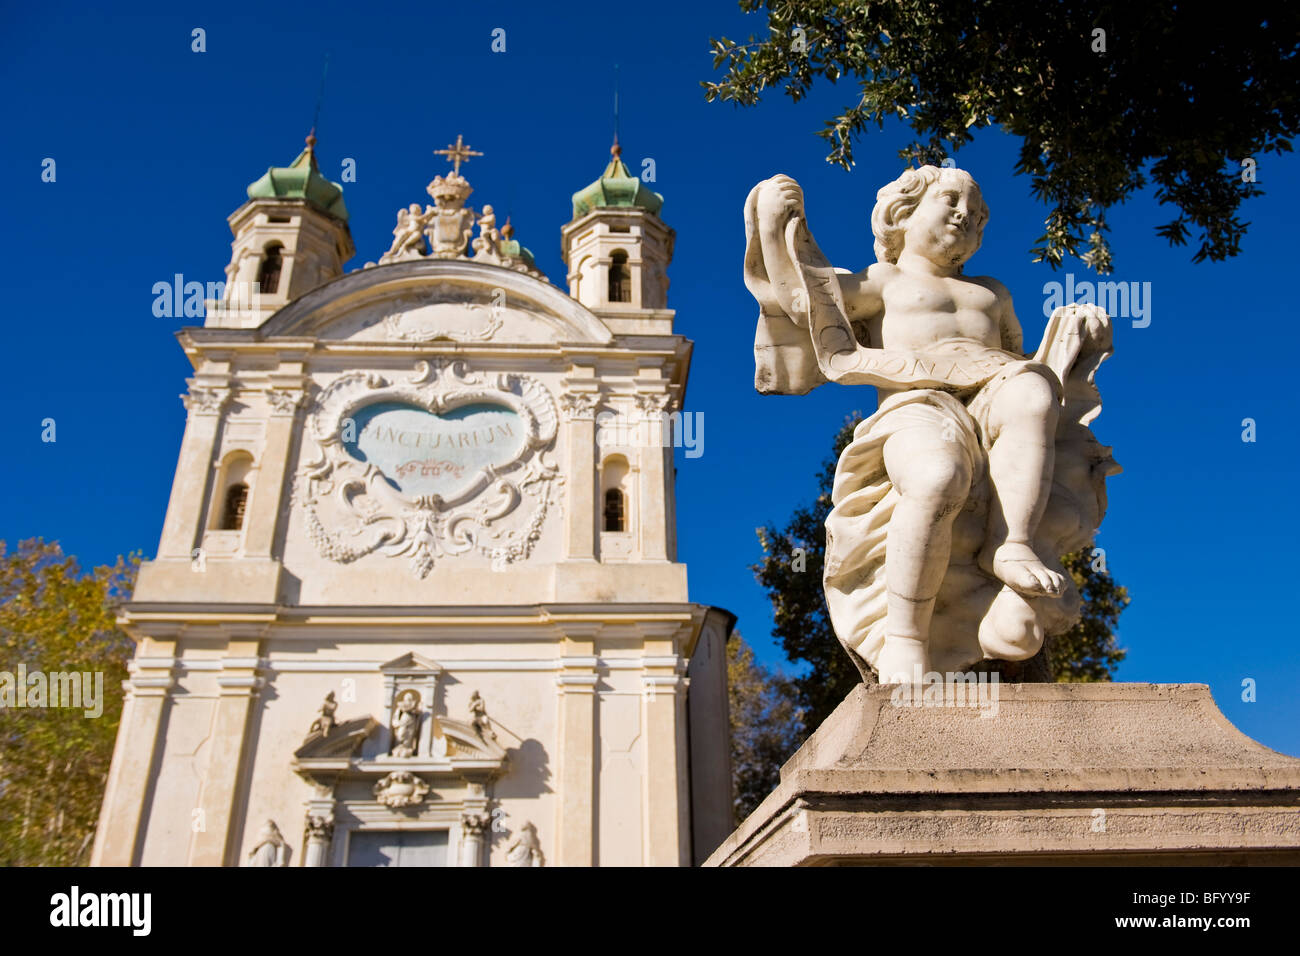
{"x":1074,"y":774}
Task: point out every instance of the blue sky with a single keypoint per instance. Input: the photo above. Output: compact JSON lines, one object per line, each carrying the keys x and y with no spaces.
{"x":154,"y":145}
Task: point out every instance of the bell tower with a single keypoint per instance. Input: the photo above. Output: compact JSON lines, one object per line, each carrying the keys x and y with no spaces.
{"x":618,"y":251}
{"x":290,"y":237}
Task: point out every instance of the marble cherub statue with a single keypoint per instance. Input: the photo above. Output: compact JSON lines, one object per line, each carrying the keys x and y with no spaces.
{"x":954,"y":500}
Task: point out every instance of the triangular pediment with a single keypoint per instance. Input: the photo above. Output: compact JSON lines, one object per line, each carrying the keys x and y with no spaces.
{"x":433,"y":301}
{"x":411,"y":663}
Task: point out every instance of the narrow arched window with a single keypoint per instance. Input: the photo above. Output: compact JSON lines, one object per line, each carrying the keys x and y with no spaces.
{"x":620,"y":278}
{"x":614,"y":518}
{"x":232,"y":514}
{"x":268,"y":277}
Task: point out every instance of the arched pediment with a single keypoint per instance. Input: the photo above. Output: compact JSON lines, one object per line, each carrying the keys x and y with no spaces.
{"x":450,"y":300}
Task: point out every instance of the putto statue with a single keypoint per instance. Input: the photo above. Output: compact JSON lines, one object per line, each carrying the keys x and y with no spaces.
{"x":408,"y":234}
{"x":954,"y":500}
{"x":324,"y":723}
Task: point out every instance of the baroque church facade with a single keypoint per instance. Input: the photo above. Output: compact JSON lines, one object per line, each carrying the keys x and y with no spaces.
{"x":417,"y":599}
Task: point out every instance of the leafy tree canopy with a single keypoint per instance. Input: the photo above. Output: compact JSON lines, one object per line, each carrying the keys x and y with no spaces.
{"x":54,"y":761}
{"x":766,"y":726}
{"x":1104,"y":97}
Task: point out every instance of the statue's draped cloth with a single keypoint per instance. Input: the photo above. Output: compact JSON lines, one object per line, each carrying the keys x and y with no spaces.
{"x":976,"y":617}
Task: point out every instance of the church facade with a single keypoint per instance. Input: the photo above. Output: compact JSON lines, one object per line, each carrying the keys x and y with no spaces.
{"x":416,"y":599}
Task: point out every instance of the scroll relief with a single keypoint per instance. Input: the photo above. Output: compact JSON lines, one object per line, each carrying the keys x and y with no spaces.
{"x":445,"y":462}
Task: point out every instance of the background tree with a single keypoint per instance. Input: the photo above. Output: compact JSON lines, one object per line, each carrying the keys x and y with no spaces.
{"x":54,"y":761}
{"x":791,"y":572}
{"x":766,"y":726}
{"x":1103,"y":95}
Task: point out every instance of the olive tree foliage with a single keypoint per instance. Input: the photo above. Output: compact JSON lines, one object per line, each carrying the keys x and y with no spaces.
{"x":1104,"y":97}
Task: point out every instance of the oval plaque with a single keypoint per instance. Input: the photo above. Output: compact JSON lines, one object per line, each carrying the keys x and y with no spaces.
{"x":423,"y":453}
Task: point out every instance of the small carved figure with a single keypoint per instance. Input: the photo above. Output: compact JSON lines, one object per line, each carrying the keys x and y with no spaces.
{"x":270,"y":849}
{"x":324,"y":722}
{"x":524,"y":849}
{"x":408,"y":234}
{"x":478,"y":711}
{"x":485,"y":246}
{"x":406,"y":723}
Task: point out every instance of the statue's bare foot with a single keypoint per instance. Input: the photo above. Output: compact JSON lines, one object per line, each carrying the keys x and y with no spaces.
{"x":1016,"y":565}
{"x":902,"y":660}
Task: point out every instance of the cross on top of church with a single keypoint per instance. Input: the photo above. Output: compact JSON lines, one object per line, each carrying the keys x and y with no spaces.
{"x":457,"y":154}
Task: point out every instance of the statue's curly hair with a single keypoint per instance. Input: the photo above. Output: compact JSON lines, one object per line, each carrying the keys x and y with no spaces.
{"x":896,"y":202}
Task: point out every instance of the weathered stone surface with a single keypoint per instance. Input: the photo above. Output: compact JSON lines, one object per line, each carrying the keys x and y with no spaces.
{"x":1044,"y":773}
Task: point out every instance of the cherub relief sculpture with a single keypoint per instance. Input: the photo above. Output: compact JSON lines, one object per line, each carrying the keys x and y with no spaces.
{"x":953,"y":501}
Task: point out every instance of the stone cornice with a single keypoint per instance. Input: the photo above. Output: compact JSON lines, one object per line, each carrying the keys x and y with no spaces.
{"x":349,"y":615}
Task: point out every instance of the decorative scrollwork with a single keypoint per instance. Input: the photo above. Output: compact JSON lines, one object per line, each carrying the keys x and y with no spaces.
{"x":492,"y":324}
{"x":353,"y":509}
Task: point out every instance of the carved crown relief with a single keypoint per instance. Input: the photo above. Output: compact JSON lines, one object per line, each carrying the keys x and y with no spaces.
{"x":442,"y":463}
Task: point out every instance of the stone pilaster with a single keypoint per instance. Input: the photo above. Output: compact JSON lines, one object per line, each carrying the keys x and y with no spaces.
{"x":666,"y":786}
{"x":183,"y":525}
{"x":220,"y":799}
{"x":655,"y":459}
{"x":119,"y":835}
{"x":579,"y":410}
{"x":576,"y":822}
{"x":268,"y":495}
